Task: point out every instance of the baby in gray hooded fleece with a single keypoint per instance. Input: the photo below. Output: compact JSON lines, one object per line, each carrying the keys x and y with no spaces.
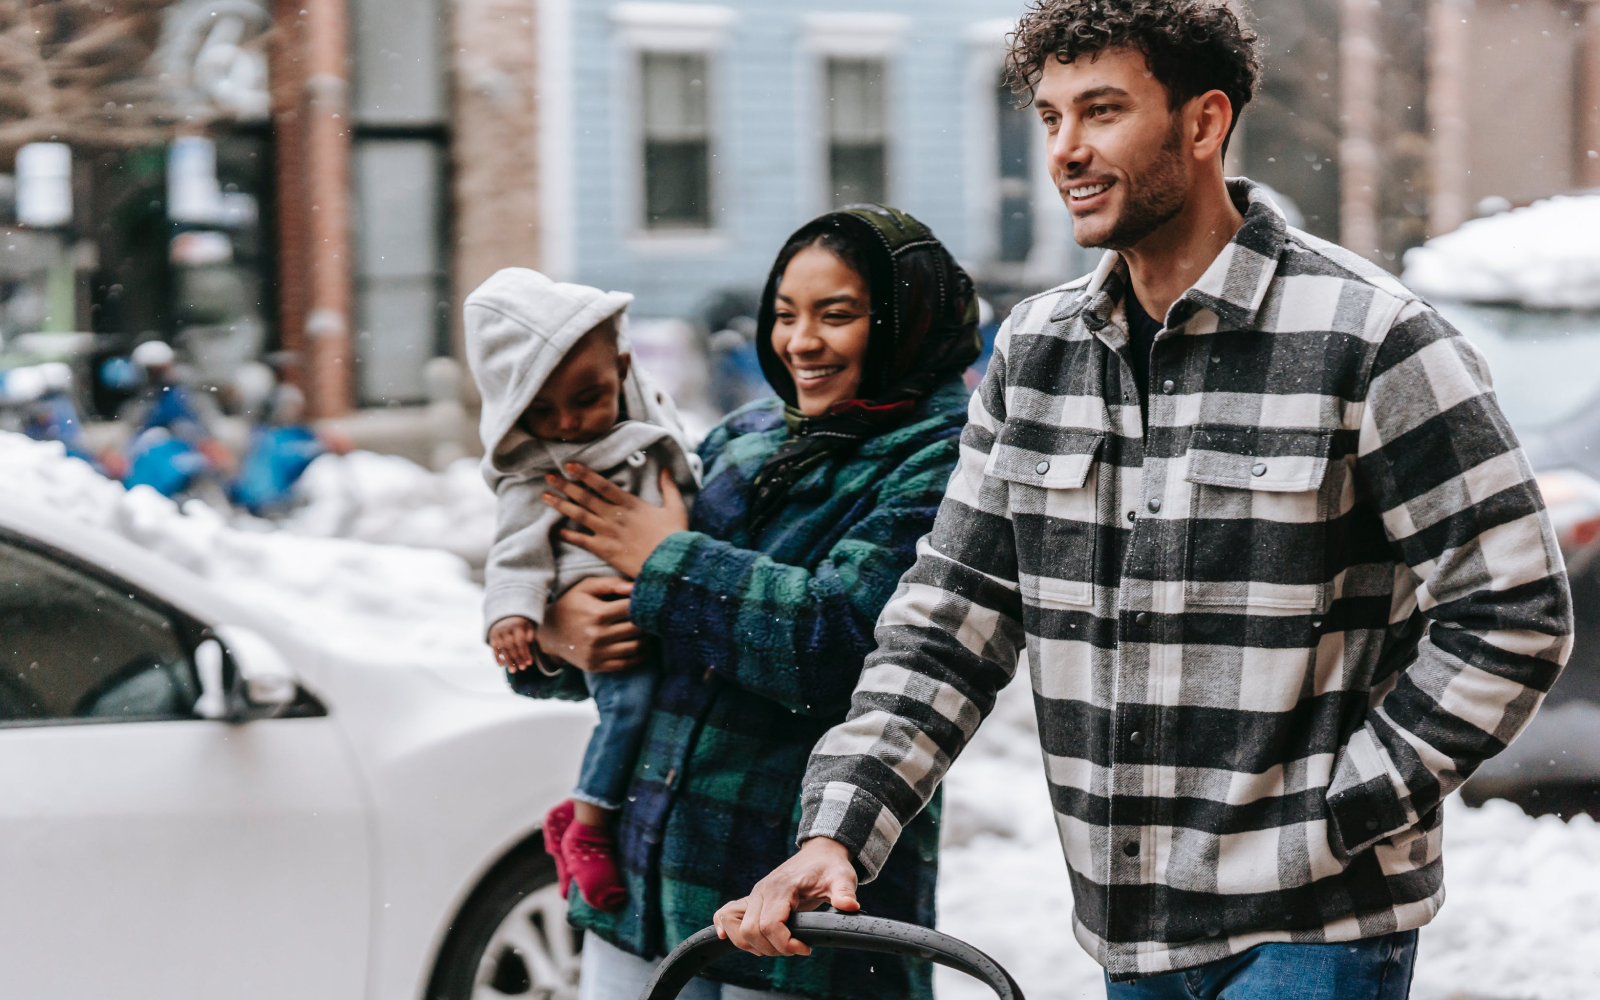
{"x":558,"y":387}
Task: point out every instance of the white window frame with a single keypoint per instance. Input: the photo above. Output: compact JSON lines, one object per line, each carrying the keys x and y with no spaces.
{"x":841,"y":35}
{"x":668,"y":28}
{"x":1050,"y":258}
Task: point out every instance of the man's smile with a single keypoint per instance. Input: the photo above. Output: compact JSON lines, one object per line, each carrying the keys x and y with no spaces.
{"x":1088,"y":194}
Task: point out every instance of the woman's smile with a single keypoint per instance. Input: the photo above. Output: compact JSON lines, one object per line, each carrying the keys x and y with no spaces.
{"x":811,"y":376}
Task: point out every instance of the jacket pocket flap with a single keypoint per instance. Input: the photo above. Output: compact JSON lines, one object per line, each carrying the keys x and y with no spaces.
{"x":1062,"y":462}
{"x":1259,"y":458}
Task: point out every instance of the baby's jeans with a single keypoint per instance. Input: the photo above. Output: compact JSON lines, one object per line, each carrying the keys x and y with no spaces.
{"x":623,"y":699}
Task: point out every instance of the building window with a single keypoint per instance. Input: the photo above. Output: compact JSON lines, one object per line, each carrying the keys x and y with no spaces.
{"x":1016,"y":151}
{"x":400,"y":274}
{"x":858,"y":146}
{"x":399,"y":215}
{"x":677,"y":141}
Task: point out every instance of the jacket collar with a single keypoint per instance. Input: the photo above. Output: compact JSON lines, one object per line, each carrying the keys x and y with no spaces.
{"x":1232,"y":288}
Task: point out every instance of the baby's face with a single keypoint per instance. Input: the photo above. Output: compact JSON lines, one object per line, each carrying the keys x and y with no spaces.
{"x":581,"y":399}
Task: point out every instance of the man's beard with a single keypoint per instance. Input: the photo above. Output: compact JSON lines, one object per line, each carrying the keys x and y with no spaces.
{"x":1155,"y":196}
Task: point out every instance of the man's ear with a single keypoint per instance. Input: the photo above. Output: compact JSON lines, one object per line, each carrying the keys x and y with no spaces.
{"x":624,"y":364}
{"x":1213,"y":117}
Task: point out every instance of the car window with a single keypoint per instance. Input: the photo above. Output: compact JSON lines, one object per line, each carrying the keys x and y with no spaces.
{"x":1545,"y":362}
{"x":74,"y":647}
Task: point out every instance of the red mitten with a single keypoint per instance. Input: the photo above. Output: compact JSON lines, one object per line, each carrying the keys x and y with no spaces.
{"x":591,"y":857}
{"x":556,"y":822}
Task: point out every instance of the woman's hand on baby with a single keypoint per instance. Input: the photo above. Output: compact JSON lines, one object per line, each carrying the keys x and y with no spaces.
{"x":588,"y":627}
{"x":618,"y":526}
{"x":512,"y":640}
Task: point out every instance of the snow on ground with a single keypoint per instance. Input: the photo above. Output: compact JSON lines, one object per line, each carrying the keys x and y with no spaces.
{"x":1544,"y":256}
{"x":1522,"y":917}
{"x":394,"y":501}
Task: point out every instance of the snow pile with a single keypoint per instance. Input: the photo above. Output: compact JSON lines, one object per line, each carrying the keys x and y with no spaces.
{"x":1521,"y":920}
{"x":394,"y":501}
{"x":1545,"y":256}
{"x":370,"y":602}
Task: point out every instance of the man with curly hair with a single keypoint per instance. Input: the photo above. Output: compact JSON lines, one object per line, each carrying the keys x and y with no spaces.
{"x":1280,"y":570}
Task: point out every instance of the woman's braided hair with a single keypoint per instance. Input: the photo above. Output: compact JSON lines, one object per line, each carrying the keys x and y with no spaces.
{"x":1192,"y":46}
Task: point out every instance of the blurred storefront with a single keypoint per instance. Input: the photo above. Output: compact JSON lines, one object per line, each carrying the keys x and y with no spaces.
{"x":134,"y":209}
{"x":304,"y":215}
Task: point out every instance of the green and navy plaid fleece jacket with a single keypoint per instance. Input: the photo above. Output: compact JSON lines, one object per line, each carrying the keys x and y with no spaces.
{"x":762,"y":640}
{"x":1267,"y":636}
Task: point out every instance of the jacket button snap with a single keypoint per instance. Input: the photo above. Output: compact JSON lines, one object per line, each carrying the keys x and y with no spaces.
{"x":1133,"y":515}
{"x":1131,"y":849}
{"x":1142,"y":618}
{"x":1168,"y":386}
{"x":1042,"y":468}
{"x":1259,"y":469}
{"x":1136,"y":738}
{"x":1155,"y":506}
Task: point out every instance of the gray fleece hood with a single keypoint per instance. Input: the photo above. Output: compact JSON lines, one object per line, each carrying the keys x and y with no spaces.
{"x":519,"y":326}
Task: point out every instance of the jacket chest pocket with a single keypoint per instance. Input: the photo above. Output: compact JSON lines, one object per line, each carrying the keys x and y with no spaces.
{"x":1053,"y":500}
{"x":1259,"y":519}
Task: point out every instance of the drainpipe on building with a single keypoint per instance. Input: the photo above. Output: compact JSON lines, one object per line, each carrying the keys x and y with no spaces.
{"x":286,"y":73}
{"x":1449,"y":47}
{"x":312,"y":138}
{"x":327,"y":146}
{"x":1589,"y":136}
{"x":1358,"y":111}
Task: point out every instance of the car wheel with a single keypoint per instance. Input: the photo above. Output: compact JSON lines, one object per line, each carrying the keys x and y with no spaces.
{"x":511,"y":939}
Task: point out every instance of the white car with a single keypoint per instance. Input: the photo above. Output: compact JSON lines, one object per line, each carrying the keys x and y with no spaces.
{"x":195,"y":805}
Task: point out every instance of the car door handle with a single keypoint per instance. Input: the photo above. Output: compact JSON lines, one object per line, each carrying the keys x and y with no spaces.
{"x":839,"y":930}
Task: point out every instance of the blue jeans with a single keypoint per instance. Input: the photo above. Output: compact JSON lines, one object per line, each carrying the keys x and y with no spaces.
{"x":1370,"y":969}
{"x":623,"y":699}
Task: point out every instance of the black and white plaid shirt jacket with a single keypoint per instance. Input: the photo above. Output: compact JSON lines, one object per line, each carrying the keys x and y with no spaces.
{"x":1267,"y":635}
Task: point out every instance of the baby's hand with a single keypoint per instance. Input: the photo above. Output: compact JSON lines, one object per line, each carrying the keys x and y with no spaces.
{"x":512,"y":640}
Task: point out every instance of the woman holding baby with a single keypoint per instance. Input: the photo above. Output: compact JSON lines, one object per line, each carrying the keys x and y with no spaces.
{"x":754,"y":610}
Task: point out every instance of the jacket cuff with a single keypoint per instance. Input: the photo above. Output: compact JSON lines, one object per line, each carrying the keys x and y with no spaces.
{"x":855,"y":818}
{"x":1367,"y":801}
{"x":522,"y":600}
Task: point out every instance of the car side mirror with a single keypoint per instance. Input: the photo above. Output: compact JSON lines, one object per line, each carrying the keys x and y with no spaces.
{"x":261,"y":685}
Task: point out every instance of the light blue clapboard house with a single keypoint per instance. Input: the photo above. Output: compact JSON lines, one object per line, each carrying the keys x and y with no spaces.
{"x":681,"y":143}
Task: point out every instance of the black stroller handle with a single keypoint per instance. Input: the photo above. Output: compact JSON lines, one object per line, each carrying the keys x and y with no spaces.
{"x":839,"y":930}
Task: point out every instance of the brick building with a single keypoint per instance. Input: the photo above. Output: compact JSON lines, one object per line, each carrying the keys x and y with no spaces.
{"x":405,"y":155}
